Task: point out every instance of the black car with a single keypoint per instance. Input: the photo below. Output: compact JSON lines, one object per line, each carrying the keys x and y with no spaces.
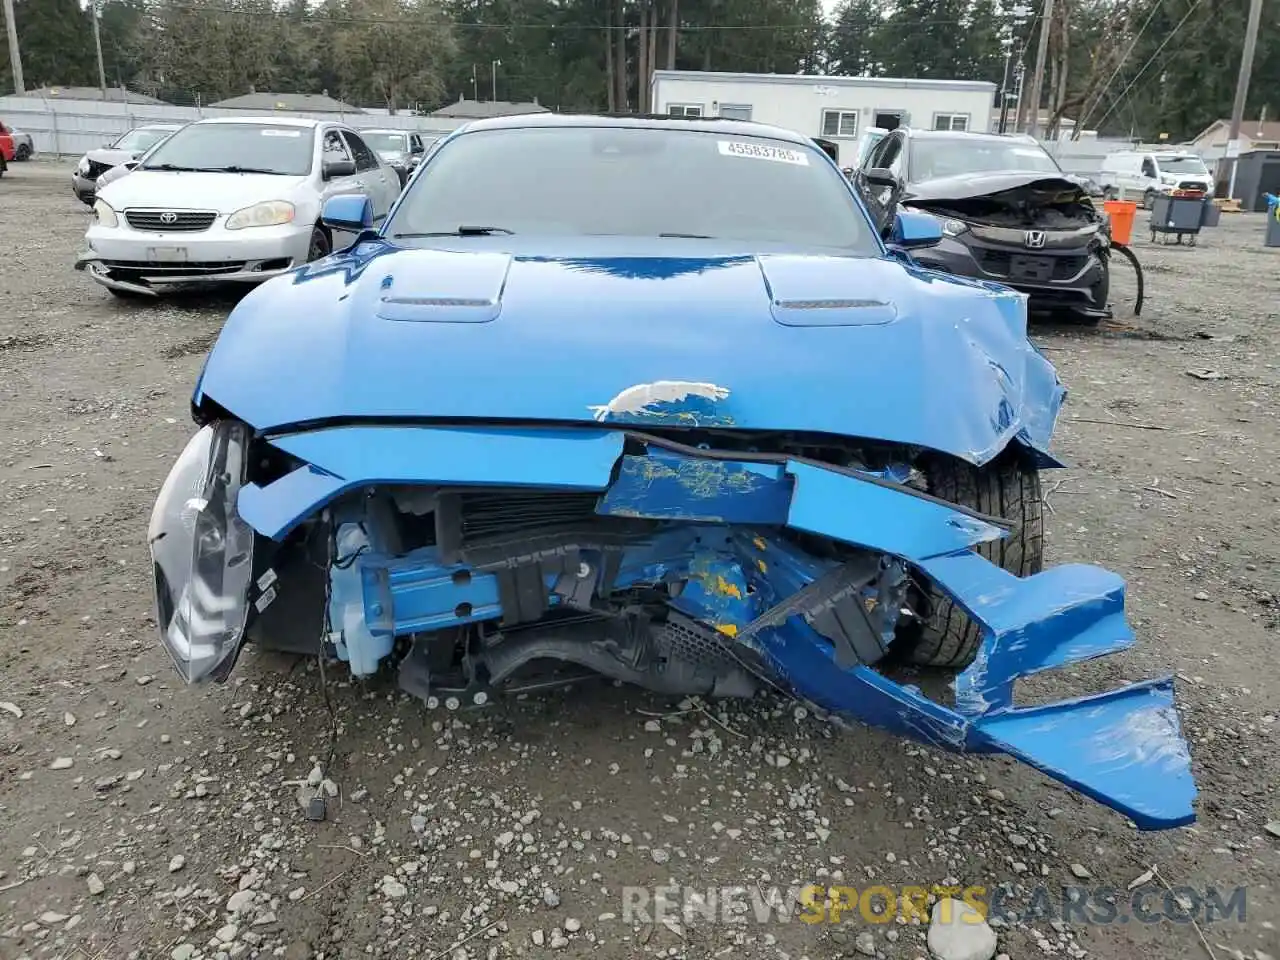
{"x":1009,"y":212}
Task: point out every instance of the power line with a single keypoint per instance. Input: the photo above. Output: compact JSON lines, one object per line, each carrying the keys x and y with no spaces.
{"x":1120,"y":65}
{"x":310,"y":17}
{"x":1169,"y":36}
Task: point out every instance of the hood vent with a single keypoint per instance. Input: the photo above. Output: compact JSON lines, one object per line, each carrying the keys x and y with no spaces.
{"x":442,"y":286}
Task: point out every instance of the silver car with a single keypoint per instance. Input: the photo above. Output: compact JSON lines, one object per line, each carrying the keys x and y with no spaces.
{"x":129,"y":146}
{"x":402,"y":149}
{"x":230,"y":200}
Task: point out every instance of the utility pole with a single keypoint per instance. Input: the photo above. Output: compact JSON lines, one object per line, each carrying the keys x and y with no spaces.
{"x":1242,"y":90}
{"x":1037,"y":78}
{"x":97,"y":43}
{"x":15,"y":55}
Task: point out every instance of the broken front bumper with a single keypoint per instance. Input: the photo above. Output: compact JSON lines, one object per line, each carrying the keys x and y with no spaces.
{"x":721,"y":520}
{"x":1052,"y":277}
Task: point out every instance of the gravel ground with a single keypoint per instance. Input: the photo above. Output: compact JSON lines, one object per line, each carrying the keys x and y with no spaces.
{"x":143,"y":819}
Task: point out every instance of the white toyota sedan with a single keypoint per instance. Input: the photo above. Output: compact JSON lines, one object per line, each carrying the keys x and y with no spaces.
{"x":230,"y":200}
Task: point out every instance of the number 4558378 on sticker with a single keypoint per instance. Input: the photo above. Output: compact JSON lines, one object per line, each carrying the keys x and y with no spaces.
{"x":762,"y":151}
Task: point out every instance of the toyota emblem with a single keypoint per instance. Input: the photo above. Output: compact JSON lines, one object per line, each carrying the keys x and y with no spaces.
{"x":1035,"y":239}
{"x":171,"y":217}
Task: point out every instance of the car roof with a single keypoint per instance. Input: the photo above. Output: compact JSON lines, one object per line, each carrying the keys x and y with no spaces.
{"x":384,"y":130}
{"x":722,"y":125}
{"x":273,"y":120}
{"x":971,"y":135}
{"x":160,"y":126}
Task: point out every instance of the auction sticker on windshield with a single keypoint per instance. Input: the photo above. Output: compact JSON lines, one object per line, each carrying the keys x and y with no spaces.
{"x":762,"y":151}
{"x":276,"y":132}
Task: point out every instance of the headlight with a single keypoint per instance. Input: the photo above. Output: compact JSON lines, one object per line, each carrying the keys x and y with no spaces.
{"x":272,"y":213}
{"x":953,"y":228}
{"x":83,"y":166}
{"x":106,"y":216}
{"x":202,"y":553}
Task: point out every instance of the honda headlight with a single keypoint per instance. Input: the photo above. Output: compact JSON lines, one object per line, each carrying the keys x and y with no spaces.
{"x":271,"y":213}
{"x":106,"y":216}
{"x":202,"y":553}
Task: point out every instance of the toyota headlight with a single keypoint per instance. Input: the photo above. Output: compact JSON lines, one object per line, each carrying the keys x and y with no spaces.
{"x":83,"y":166}
{"x":953,"y":228}
{"x":202,"y":553}
{"x":271,"y":213}
{"x":106,"y":216}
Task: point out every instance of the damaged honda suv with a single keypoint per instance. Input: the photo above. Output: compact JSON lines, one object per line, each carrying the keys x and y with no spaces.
{"x":1009,"y":214}
{"x":550,"y":427}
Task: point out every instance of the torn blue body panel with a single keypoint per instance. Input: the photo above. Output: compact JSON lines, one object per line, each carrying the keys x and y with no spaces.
{"x":720,"y":534}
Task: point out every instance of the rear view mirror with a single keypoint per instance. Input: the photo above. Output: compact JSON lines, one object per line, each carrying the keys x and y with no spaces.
{"x":337,"y":168}
{"x":880,"y":177}
{"x":912,"y":230}
{"x":350,"y":213}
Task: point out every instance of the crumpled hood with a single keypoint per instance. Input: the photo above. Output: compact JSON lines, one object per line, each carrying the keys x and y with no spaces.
{"x":111,"y":158}
{"x":971,"y":186}
{"x":862,"y":347}
{"x":224,"y":192}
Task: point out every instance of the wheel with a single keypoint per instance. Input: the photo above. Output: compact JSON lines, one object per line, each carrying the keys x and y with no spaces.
{"x":320,"y":244}
{"x":1148,"y":200}
{"x":23,"y":152}
{"x":1008,"y":488}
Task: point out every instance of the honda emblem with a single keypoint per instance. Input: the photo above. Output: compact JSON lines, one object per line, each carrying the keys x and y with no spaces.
{"x":1035,"y":239}
{"x":170,"y":217}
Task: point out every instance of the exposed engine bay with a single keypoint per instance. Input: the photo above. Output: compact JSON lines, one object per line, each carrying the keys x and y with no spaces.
{"x":478,"y":590}
{"x":1051,"y":203}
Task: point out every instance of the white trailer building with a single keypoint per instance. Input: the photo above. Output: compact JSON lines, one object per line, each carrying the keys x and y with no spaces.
{"x":837,"y":108}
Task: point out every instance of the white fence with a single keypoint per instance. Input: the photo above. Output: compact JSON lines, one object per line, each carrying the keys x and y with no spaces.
{"x":73,"y":127}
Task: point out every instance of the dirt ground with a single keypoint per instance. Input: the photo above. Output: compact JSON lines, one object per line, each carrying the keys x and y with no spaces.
{"x":132,"y":809}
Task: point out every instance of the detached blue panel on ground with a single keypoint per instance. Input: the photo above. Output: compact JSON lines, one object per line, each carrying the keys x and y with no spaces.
{"x":1123,"y":748}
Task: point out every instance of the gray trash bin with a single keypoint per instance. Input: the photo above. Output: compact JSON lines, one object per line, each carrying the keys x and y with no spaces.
{"x":1211,"y":214}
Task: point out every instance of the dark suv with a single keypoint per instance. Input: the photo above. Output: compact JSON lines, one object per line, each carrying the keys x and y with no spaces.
{"x":1009,"y":213}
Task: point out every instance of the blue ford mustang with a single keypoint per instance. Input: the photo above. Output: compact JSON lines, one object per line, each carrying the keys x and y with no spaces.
{"x":650,"y":400}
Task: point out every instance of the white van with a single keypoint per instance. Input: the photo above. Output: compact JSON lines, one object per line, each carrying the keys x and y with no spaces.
{"x":1143,"y":175}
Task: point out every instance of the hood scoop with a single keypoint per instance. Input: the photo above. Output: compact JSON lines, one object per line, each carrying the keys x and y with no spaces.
{"x":442,"y":286}
{"x":817,"y":292}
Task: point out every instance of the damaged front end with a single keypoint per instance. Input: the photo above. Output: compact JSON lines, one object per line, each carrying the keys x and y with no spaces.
{"x":483,"y":559}
{"x":1040,"y":235}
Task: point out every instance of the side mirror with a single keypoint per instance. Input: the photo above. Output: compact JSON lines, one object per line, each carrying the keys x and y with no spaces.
{"x":332,"y":169}
{"x":352,"y":213}
{"x":912,"y":230}
{"x":880,"y":177}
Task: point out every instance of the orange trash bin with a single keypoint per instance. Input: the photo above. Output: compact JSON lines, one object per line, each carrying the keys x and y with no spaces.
{"x":1121,"y":213}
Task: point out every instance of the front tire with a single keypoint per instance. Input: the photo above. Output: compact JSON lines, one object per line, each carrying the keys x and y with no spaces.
{"x":321,"y":246}
{"x":1008,"y":488}
{"x":22,"y":153}
{"x":1148,"y":200}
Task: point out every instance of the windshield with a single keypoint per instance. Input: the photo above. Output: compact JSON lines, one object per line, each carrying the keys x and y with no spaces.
{"x":387,"y":142}
{"x":259,"y":147}
{"x":1181,"y":165}
{"x":628,"y":181}
{"x":957,"y":156}
{"x":135,"y":141}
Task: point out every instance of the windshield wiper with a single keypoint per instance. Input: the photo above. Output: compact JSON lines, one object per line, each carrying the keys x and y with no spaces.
{"x":462,"y":231}
{"x":688,"y":236}
{"x":232,"y":168}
